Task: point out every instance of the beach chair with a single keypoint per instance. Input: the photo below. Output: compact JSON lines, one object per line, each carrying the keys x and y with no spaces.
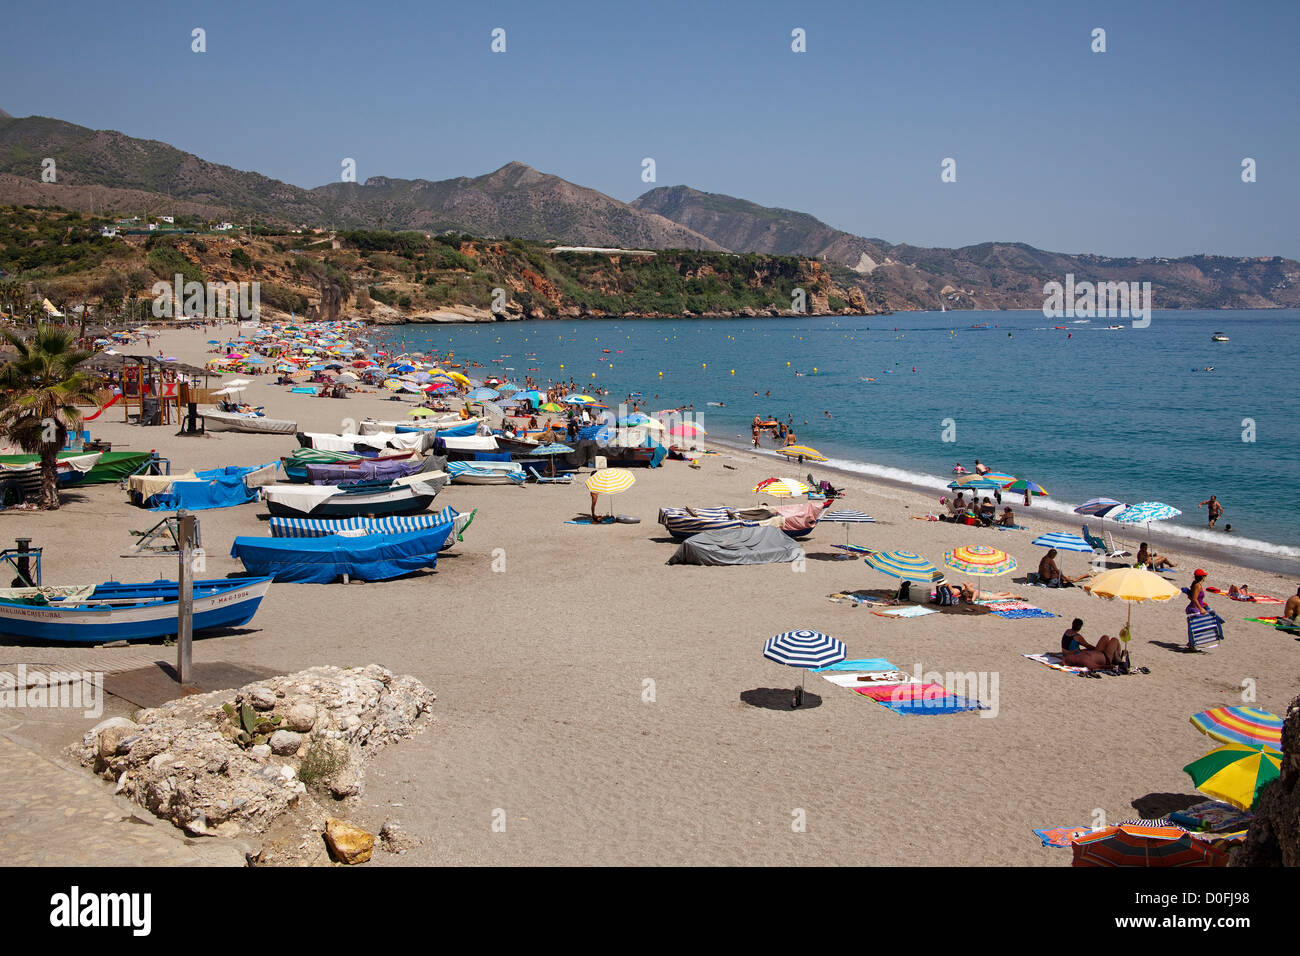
{"x":543,"y":480}
{"x":826,"y":489}
{"x":1204,"y":631}
{"x":1105,"y":545}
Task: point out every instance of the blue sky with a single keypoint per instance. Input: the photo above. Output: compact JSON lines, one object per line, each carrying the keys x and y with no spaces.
{"x":1135,"y":151}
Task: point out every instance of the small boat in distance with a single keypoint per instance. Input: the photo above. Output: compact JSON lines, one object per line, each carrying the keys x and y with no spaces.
{"x":1219,"y":337}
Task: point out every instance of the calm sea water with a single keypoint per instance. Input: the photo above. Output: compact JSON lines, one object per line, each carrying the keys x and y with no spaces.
{"x":1086,"y":411}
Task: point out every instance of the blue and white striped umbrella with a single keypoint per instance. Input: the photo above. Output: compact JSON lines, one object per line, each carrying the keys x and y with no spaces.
{"x":483,"y":395}
{"x":848,"y":517}
{"x":1099,"y":507}
{"x":1062,"y":541}
{"x":1147,"y":511}
{"x":807,"y":649}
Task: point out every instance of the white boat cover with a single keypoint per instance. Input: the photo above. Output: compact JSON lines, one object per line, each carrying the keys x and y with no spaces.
{"x":412,"y":441}
{"x":472,"y":443}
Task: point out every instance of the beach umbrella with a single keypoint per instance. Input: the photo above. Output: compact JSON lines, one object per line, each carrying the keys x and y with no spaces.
{"x":1234,"y":773}
{"x":458,"y":377}
{"x":532,"y":395}
{"x":905,"y":566}
{"x":1240,"y":725}
{"x":1135,"y":845}
{"x":393,"y":384}
{"x":350,"y":376}
{"x":846,"y":518}
{"x":1062,"y":541}
{"x":554,"y":448}
{"x":805,"y":650}
{"x":1147,"y":512}
{"x":980,"y":560}
{"x":1133,"y":586}
{"x":611,"y":481}
{"x":237,"y":383}
{"x":508,"y":387}
{"x":687,"y":430}
{"x":1099,"y":507}
{"x":577,"y":399}
{"x":782,"y":487}
{"x":974,"y":483}
{"x":422,"y":412}
{"x":482,"y":395}
{"x":549,"y":407}
{"x":801,"y":452}
{"x":1024,"y":484}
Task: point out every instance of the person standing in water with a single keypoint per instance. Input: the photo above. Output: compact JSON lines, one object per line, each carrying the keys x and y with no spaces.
{"x":1215,"y":509}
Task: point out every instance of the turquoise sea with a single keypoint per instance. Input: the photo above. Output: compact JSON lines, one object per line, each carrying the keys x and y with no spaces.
{"x":1129,"y":413}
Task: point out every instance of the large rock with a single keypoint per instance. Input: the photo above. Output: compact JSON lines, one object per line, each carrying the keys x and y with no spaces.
{"x":347,"y":842}
{"x":184,"y":761}
{"x":1274,"y":835}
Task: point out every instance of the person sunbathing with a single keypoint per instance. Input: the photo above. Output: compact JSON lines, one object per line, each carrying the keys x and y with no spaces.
{"x":1077,"y":652}
{"x":1291,"y":613}
{"x":1050,"y":574}
{"x":1008,"y":519}
{"x":988,"y":513}
{"x":1240,"y":593}
{"x":1150,"y":559}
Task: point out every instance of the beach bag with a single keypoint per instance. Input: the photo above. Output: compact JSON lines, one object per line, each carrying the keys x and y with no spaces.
{"x":944,"y":596}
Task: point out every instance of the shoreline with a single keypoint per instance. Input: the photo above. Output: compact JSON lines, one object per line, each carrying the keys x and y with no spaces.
{"x":1255,"y":559}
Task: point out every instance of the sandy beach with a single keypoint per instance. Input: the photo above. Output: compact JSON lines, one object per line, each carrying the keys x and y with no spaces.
{"x":619,"y":711}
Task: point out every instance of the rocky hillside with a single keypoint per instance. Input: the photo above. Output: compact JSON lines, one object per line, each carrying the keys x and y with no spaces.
{"x":104,"y":172}
{"x":394,"y":277}
{"x":992,"y":275}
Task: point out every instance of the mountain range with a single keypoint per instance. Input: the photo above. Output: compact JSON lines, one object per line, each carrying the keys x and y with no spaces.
{"x":104,"y":171}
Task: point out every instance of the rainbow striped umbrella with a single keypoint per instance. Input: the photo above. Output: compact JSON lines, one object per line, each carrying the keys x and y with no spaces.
{"x":1240,"y":725}
{"x":1235,"y":773}
{"x":1134,"y":845}
{"x":611,"y":481}
{"x":1024,"y":484}
{"x":980,"y":559}
{"x":906,"y":566}
{"x":782,"y":487}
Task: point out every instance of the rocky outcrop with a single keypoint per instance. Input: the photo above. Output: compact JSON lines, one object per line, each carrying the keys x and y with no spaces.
{"x":232,"y":762}
{"x":1274,"y":835}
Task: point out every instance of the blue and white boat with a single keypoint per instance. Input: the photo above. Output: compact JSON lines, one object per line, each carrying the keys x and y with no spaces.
{"x":365,"y":557}
{"x":320,"y":527}
{"x":486,"y":472}
{"x":97,"y":614}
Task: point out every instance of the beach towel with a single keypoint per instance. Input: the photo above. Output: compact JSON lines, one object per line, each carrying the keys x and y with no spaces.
{"x":859,"y":597}
{"x":925,"y":706}
{"x":873,"y":664}
{"x":909,"y":691}
{"x":853,"y":548}
{"x":1278,"y":623}
{"x":1213,"y":816}
{"x":856,"y":679}
{"x":1016,"y":610}
{"x":1054,"y":661}
{"x":907,"y":610}
{"x":1061,"y":836}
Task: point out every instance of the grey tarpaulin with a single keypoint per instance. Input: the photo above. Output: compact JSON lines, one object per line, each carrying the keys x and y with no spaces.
{"x":764,"y":545}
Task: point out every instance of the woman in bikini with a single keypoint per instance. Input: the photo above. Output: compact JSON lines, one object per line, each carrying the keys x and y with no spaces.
{"x":1077,"y":652}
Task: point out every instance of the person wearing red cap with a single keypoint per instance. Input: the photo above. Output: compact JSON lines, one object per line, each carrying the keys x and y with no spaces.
{"x":1196,"y":593}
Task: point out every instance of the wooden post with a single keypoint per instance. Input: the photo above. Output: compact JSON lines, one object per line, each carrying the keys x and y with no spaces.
{"x":185,"y":602}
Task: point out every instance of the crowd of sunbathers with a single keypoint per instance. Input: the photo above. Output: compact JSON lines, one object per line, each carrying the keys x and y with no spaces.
{"x":976,"y":512}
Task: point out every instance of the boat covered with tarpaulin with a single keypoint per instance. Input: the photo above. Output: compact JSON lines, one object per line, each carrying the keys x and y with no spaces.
{"x":364,"y":557}
{"x":319,"y":527}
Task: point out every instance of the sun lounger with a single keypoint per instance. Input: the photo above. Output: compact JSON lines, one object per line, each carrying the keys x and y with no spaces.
{"x":543,"y":480}
{"x":1106,"y":546}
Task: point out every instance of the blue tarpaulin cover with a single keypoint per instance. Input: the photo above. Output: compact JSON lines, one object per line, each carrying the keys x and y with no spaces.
{"x":215,"y":488}
{"x":372,"y":557}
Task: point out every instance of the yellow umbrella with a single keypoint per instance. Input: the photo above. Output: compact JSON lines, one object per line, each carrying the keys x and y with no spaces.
{"x":610,"y":481}
{"x":1235,"y":773}
{"x":782,"y":487}
{"x":1132,"y":585}
{"x":458,"y":377}
{"x":801,"y":451}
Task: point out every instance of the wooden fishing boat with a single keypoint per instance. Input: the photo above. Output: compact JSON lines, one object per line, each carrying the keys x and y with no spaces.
{"x":403,"y":496}
{"x":97,"y":614}
{"x":216,"y":421}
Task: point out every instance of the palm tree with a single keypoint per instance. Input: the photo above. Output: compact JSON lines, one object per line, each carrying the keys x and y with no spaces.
{"x":42,"y":387}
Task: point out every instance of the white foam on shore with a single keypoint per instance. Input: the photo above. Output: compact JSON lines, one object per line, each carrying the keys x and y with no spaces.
{"x":1058,"y":508}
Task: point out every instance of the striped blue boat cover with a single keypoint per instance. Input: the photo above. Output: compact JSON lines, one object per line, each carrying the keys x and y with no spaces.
{"x":319,"y":527}
{"x":1204,"y":630}
{"x":681,"y":523}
